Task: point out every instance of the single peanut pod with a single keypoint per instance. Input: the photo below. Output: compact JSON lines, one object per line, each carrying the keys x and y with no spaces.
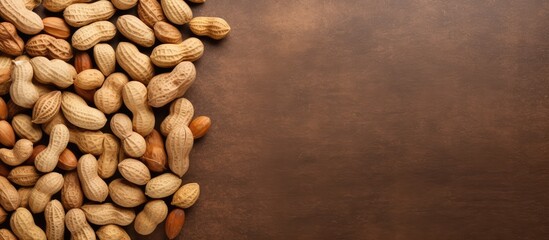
{"x":169,"y":55}
{"x":82,"y":14}
{"x":23,"y":226}
{"x":133,"y":144}
{"x":56,"y":27}
{"x":55,"y":71}
{"x":108,"y":161}
{"x":80,"y":114}
{"x":105,"y":58}
{"x":126,"y":194}
{"x":19,"y":154}
{"x":94,"y":188}
{"x":167,"y":33}
{"x":55,"y":220}
{"x":46,"y":160}
{"x":164,"y":88}
{"x":135,"y":30}
{"x":6,"y":234}
{"x":49,"y":46}
{"x":67,"y":160}
{"x":82,"y":61}
{"x":177,"y":11}
{"x":153,"y":214}
{"x":86,"y":37}
{"x":155,"y":156}
{"x":71,"y":194}
{"x":163,"y":185}
{"x":24,"y":194}
{"x":6,"y":65}
{"x":3,"y":217}
{"x":134,"y":171}
{"x":135,"y":98}
{"x":112,"y":232}
{"x":9,"y":198}
{"x":7,"y":135}
{"x":174,"y":223}
{"x":60,"y":5}
{"x":186,"y":196}
{"x":22,"y":91}
{"x":135,"y":63}
{"x":25,"y":128}
{"x":178,"y":146}
{"x":89,"y":79}
{"x":26,"y":21}
{"x":213,"y":27}
{"x":150,"y":12}
{"x":46,"y":107}
{"x":43,"y":190}
{"x":76,"y":223}
{"x":25,"y":176}
{"x":181,"y":113}
{"x":108,"y":98}
{"x":87,"y":141}
{"x":108,"y":213}
{"x":10,"y":42}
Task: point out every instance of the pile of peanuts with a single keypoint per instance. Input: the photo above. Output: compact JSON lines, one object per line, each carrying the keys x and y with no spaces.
{"x":127,"y":171}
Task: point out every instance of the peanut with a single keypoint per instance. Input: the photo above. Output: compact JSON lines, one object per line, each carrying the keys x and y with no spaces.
{"x":22,"y":224}
{"x":94,"y":188}
{"x":177,"y":11}
{"x":181,"y":113}
{"x":45,"y":187}
{"x":112,"y":232}
{"x":76,"y":223}
{"x":55,"y":220}
{"x":67,"y":160}
{"x":46,"y":160}
{"x":82,"y":14}
{"x":108,"y":98}
{"x":135,"y":63}
{"x":19,"y":154}
{"x":9,"y":198}
{"x":80,"y":114}
{"x":3,"y":215}
{"x":55,"y":71}
{"x":87,"y":141}
{"x":6,"y":66}
{"x":89,"y":79}
{"x":82,"y":61}
{"x":3,"y":109}
{"x":153,"y":214}
{"x":108,"y":213}
{"x":4,"y":170}
{"x":213,"y":27}
{"x":86,"y":37}
{"x":25,"y":176}
{"x":166,"y":87}
{"x":135,"y":30}
{"x":35,"y":151}
{"x":24,"y":194}
{"x":200,"y":126}
{"x":108,"y":161}
{"x":22,"y":91}
{"x":124,"y":4}
{"x":126,"y":194}
{"x":6,"y":234}
{"x":169,"y":55}
{"x":178,"y":146}
{"x":167,"y":33}
{"x":133,"y":144}
{"x":56,"y":119}
{"x":5,"y":86}
{"x":26,"y":21}
{"x":46,"y":107}
{"x":155,"y":156}
{"x":10,"y":42}
{"x":150,"y":12}
{"x":186,"y":196}
{"x":135,"y":98}
{"x":49,"y":46}
{"x":71,"y":194}
{"x":56,"y":27}
{"x":7,"y":135}
{"x":134,"y":171}
{"x":174,"y":223}
{"x":105,"y":58}
{"x":60,"y":5}
{"x":163,"y":185}
{"x":24,"y":128}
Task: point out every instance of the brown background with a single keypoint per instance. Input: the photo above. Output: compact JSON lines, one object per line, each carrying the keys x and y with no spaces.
{"x":368,"y":119}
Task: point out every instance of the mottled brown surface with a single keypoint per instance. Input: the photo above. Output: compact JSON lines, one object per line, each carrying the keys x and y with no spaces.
{"x":368,"y":119}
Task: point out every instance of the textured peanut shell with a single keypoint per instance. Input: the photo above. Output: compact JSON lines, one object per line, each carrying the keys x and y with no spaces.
{"x":3,"y":216}
{"x":108,"y":213}
{"x":112,"y":232}
{"x":71,"y":194}
{"x":86,"y":37}
{"x":126,"y":194}
{"x":135,"y":30}
{"x":105,"y":58}
{"x":56,"y":119}
{"x":9,"y":198}
{"x":76,"y":223}
{"x":24,"y":194}
{"x":177,"y":11}
{"x":55,"y":71}
{"x":19,"y":154}
{"x":56,"y":27}
{"x":23,"y":226}
{"x":77,"y":112}
{"x":133,"y":144}
{"x":10,"y":42}
{"x":26,"y":21}
{"x":24,"y":128}
{"x":55,"y":220}
{"x":87,"y":141}
{"x":94,"y":188}
{"x":179,"y":144}
{"x":163,"y":185}
{"x":48,"y":185}
{"x":47,"y":160}
{"x":89,"y":79}
{"x":150,"y":12}
{"x":169,"y":55}
{"x":108,"y":161}
{"x":60,"y":5}
{"x":167,"y":33}
{"x":6,"y":234}
{"x":25,"y":176}
{"x":181,"y":113}
{"x":135,"y":98}
{"x":135,"y":63}
{"x":6,"y":66}
{"x":134,"y":171}
{"x":213,"y":27}
{"x":81,"y":14}
{"x":124,"y":4}
{"x":49,"y":46}
{"x":47,"y":106}
{"x":166,"y":87}
{"x":153,"y":214}
{"x":108,"y":98}
{"x":186,"y":196}
{"x":22,"y":91}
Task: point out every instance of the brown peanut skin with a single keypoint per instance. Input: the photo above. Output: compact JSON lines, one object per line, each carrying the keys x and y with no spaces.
{"x":174,"y":223}
{"x":200,"y":126}
{"x":155,"y":155}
